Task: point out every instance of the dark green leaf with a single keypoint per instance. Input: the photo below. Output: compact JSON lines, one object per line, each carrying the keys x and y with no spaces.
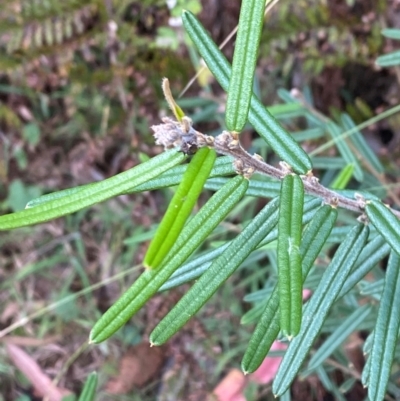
{"x":193,"y":234}
{"x":318,"y":307}
{"x":263,"y":122}
{"x":220,"y":270}
{"x":386,"y":332}
{"x":385,"y":222}
{"x":244,"y":63}
{"x":289,"y":258}
{"x":268,"y":327}
{"x":89,"y":389}
{"x":93,"y":194}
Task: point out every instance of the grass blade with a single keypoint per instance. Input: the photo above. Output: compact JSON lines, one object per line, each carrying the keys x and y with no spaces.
{"x":289,"y":258}
{"x":194,"y":233}
{"x":244,"y":63}
{"x":318,"y":307}
{"x":263,"y":122}
{"x":180,"y":206}
{"x":220,"y":270}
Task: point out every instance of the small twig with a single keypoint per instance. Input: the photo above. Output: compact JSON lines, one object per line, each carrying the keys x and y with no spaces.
{"x":172,"y":134}
{"x":227,"y":145}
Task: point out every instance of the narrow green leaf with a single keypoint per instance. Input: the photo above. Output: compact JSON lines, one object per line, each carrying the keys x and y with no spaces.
{"x":220,"y":270}
{"x":372,"y":253}
{"x":93,"y":194}
{"x":391,"y":33}
{"x":365,"y":376}
{"x":318,"y":307}
{"x":264,"y":188}
{"x":385,"y":222}
{"x":389,"y":60}
{"x":89,"y":389}
{"x":268,"y":327}
{"x":244,"y":63}
{"x":345,"y":151}
{"x":289,"y":258}
{"x":360,"y":144}
{"x":198,"y":266}
{"x":193,"y":234}
{"x":386,"y":332}
{"x":263,"y":122}
{"x":350,"y":324}
{"x":180,"y":206}
{"x":223,"y":166}
{"x":368,"y":343}
{"x":178,"y":112}
{"x":372,"y":289}
{"x":343,"y":178}
{"x":253,"y":314}
{"x":57,"y":195}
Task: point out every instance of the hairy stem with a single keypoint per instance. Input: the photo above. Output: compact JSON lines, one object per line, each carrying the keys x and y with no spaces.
{"x":228,"y":144}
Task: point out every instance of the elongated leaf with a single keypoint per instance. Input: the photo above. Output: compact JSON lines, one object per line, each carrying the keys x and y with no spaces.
{"x":244,"y":63}
{"x":268,"y":327}
{"x":361,"y":145}
{"x":372,"y":289}
{"x":178,"y":112}
{"x":391,"y":33}
{"x":223,"y":166}
{"x":220,"y":270}
{"x":264,"y":189}
{"x":253,"y":314}
{"x":344,"y":149}
{"x":343,"y":178}
{"x":194,"y":233}
{"x":318,"y":307}
{"x":365,"y":376}
{"x":180,"y":206}
{"x":385,"y":222}
{"x":198,"y":266}
{"x":89,"y":389}
{"x":386,"y":332}
{"x":350,"y":324}
{"x":368,"y":343}
{"x":389,"y":60}
{"x":373,"y":252}
{"x":93,"y":194}
{"x":263,"y":122}
{"x":289,"y":258}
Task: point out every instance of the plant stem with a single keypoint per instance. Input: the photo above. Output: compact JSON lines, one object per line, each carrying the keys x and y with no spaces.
{"x":228,"y":144}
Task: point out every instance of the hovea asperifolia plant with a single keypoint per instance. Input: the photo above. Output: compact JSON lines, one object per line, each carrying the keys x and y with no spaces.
{"x":300,"y":221}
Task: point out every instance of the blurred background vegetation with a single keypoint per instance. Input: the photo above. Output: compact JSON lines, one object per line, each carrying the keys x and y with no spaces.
{"x":79,"y":91}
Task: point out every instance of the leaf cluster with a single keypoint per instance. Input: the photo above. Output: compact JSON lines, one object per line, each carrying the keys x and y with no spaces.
{"x":297,"y":225}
